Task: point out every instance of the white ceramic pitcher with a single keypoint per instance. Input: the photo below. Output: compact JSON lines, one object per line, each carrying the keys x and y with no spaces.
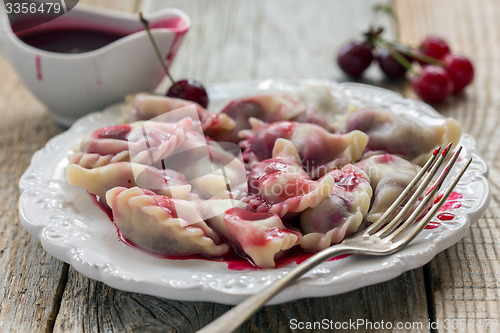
{"x":74,"y":84}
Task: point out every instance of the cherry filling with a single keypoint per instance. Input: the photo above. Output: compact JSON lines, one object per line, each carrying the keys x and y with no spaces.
{"x":275,"y":180}
{"x":348,"y":180}
{"x":166,"y":203}
{"x":118,"y":132}
{"x":263,"y":142}
{"x":233,"y":218}
{"x":109,"y":140}
{"x":242,"y":110}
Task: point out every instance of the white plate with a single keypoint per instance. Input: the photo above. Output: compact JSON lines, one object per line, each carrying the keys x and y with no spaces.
{"x":73,"y":229}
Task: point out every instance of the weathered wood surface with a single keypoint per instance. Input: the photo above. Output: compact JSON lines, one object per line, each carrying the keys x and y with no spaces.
{"x":465,"y":278}
{"x":29,"y":278}
{"x":241,"y":40}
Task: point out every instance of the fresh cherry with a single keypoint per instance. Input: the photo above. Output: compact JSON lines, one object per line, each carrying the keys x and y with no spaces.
{"x":460,"y":69}
{"x":191,"y":90}
{"x":392,"y":68}
{"x":434,"y":46}
{"x":354,"y":57}
{"x":433,"y":84}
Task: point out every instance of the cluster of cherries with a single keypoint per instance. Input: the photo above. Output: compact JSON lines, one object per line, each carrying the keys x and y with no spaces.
{"x":439,"y":73}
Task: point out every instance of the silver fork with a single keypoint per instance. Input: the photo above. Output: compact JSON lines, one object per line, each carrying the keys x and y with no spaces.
{"x":391,"y":232}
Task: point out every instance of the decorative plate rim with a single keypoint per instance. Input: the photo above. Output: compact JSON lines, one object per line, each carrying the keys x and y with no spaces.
{"x":70,"y":229}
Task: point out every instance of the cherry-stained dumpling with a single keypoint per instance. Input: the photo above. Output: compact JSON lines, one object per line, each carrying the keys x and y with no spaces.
{"x":162,"y":225}
{"x":260,"y":235}
{"x":341,"y":213}
{"x":280,"y":184}
{"x":268,"y":108}
{"x":389,"y":176}
{"x":92,"y":151}
{"x":214,"y":170}
{"x":396,"y":134}
{"x":320,"y":151}
{"x":127,"y":174}
{"x":145,"y":106}
{"x":141,"y":142}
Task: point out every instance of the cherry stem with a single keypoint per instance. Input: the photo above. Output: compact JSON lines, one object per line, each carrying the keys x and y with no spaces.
{"x":416,"y":55}
{"x":389,"y":11}
{"x":155,"y":46}
{"x":380,"y":42}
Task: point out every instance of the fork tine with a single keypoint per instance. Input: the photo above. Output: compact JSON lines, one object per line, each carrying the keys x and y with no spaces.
{"x":395,"y":205}
{"x":423,"y":222}
{"x":415,"y":196}
{"x":417,"y":213}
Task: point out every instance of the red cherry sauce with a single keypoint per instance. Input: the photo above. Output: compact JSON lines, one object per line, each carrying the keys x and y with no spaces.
{"x":38,"y":66}
{"x":452,"y":202}
{"x":71,"y":35}
{"x":72,"y":40}
{"x":234,"y":260}
{"x":348,"y":179}
{"x":119,"y":132}
{"x":102,"y":205}
{"x":79,"y":36}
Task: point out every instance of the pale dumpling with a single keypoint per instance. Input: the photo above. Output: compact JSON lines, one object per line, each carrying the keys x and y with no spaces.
{"x":394,"y":134}
{"x":162,"y":225}
{"x":127,"y":174}
{"x":146,"y":106}
{"x":341,"y":213}
{"x":389,"y":176}
{"x":268,"y":108}
{"x":259,"y":235}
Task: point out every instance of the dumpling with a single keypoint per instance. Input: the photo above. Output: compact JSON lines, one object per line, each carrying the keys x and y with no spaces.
{"x":261,"y":236}
{"x":320,"y":151}
{"x":126,"y":174}
{"x":324,"y":103}
{"x":268,"y":108}
{"x":311,"y":116}
{"x":93,"y":151}
{"x":214,"y":170}
{"x":141,"y":142}
{"x":395,"y":134}
{"x":280,"y":184}
{"x":145,"y":106}
{"x":389,"y":176}
{"x":162,"y":225}
{"x":341,"y":213}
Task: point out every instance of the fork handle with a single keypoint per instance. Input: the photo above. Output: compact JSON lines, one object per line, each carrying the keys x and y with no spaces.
{"x":232,"y":319}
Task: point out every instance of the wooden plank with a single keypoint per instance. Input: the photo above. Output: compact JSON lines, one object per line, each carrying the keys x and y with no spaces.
{"x":242,"y":40}
{"x":28,"y":276}
{"x":94,"y":307}
{"x":465,"y":277}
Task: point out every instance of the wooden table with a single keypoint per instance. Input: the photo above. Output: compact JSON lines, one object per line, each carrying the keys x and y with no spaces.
{"x":250,"y":39}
